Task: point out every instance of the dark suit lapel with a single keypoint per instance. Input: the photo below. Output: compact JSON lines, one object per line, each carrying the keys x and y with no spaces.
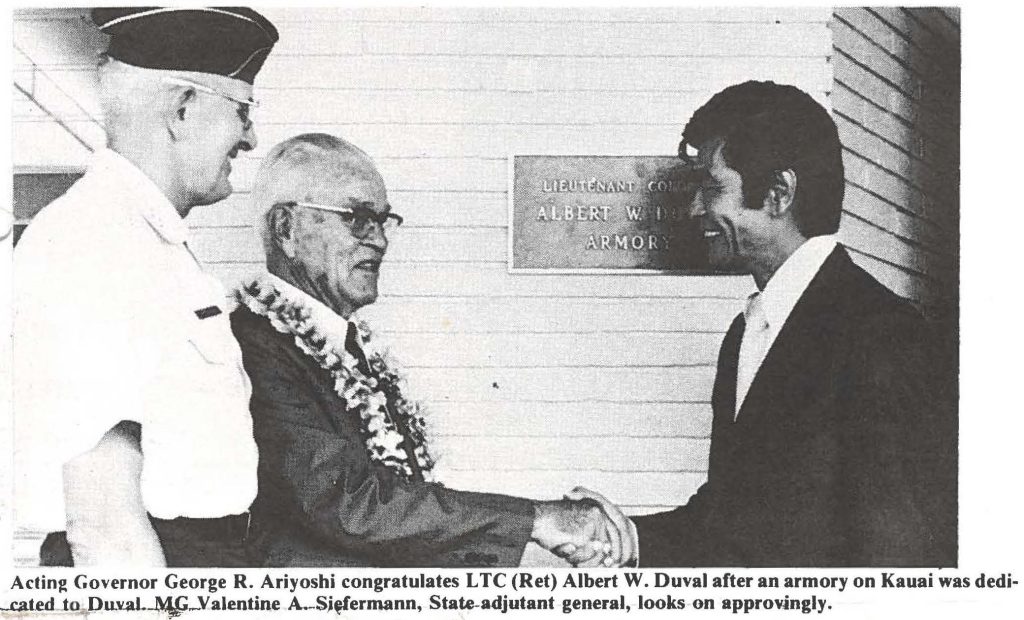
{"x":796,"y":364}
{"x":723,"y":396}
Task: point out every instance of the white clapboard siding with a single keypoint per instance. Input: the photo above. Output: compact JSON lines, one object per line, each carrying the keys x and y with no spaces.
{"x":910,"y":24}
{"x":927,"y":108}
{"x":674,"y":15}
{"x":909,"y":79}
{"x":535,"y":315}
{"x":61,"y":150}
{"x":485,"y":139}
{"x":885,"y":155}
{"x":556,"y":73}
{"x":641,"y":488}
{"x":934,"y":97}
{"x":869,"y":85}
{"x":897,"y":107}
{"x":936,"y":149}
{"x":877,"y":211}
{"x":896,"y":46}
{"x":638,"y":384}
{"x":644,"y":454}
{"x":418,"y":173}
{"x":876,"y":179}
{"x":310,"y":107}
{"x":902,"y":282}
{"x":583,"y":419}
{"x":526,"y":350}
{"x":881,"y":244}
{"x":917,"y":154}
{"x":628,"y":39}
{"x":55,"y":91}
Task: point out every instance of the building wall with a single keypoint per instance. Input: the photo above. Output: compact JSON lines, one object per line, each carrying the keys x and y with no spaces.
{"x":897,"y":103}
{"x":537,"y":382}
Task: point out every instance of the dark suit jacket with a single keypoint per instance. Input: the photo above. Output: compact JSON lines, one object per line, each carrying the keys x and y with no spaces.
{"x":843,"y":453}
{"x":322,"y":502}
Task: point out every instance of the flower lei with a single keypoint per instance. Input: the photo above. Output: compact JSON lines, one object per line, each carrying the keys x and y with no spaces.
{"x":393,"y":427}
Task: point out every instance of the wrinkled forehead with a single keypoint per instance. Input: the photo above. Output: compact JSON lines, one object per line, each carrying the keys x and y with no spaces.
{"x":346,"y":186}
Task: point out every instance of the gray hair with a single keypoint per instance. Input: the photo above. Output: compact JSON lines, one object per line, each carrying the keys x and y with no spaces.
{"x":134,"y":98}
{"x":128,"y":94}
{"x":298,"y":168}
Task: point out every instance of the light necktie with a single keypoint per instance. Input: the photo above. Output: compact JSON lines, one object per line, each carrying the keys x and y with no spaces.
{"x":752,"y":347}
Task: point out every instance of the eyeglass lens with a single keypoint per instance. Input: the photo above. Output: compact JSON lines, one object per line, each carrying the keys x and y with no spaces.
{"x":361,"y":220}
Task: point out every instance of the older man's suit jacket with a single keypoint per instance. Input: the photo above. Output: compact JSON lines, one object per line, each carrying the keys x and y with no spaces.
{"x":843,"y":452}
{"x":322,"y":502}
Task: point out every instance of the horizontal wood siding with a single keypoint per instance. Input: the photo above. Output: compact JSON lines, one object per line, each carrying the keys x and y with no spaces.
{"x":897,"y":104}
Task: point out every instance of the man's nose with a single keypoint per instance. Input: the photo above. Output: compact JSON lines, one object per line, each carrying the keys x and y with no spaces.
{"x":376,"y":237}
{"x":248,"y":141}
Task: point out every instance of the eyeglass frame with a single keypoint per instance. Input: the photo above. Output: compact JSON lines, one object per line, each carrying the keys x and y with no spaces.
{"x":251,"y":102}
{"x":381,"y":219}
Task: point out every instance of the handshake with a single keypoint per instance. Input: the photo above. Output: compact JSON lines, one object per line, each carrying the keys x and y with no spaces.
{"x":585,"y":529}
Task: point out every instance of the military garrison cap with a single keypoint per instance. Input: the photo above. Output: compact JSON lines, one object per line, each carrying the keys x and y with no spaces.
{"x":229,"y":41}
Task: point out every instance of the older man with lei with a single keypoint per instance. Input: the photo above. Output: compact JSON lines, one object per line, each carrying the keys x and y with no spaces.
{"x":345,"y":472}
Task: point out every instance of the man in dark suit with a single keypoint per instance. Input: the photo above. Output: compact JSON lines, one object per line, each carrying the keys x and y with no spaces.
{"x":833,"y":440}
{"x":344,"y":470}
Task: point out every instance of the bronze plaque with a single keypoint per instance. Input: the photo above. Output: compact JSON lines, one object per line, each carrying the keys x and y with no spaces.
{"x":603,"y":213}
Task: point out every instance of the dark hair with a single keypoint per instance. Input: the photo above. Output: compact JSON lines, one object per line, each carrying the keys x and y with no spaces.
{"x":768,"y":127}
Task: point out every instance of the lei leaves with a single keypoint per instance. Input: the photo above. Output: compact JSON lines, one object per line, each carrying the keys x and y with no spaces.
{"x":393,"y":427}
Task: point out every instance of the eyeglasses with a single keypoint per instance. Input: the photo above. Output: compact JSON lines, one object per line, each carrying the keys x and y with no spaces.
{"x":244,"y":105}
{"x":359,"y":219}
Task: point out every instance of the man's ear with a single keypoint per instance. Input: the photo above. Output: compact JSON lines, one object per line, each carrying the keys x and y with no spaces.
{"x":280,"y":224}
{"x":179,"y":111}
{"x":782,"y":193}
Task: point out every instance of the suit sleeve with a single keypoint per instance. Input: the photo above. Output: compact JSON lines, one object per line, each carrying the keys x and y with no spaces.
{"x":900,"y":448}
{"x":671,"y":538}
{"x":323,"y":480}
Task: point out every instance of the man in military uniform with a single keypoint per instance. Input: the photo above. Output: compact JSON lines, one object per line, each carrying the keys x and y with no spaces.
{"x":132,"y":429}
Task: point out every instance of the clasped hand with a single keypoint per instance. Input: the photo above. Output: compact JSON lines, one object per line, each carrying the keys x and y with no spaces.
{"x":585,"y":529}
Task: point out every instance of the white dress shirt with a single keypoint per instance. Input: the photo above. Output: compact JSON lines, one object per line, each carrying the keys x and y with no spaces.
{"x":768,"y":310}
{"x":106,"y":329}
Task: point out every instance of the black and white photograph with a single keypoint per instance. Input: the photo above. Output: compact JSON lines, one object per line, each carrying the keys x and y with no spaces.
{"x":484,"y":287}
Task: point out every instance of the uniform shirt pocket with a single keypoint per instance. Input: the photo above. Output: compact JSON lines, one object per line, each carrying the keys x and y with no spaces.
{"x":211,"y":337}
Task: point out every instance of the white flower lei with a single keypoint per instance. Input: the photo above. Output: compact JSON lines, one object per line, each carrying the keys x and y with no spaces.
{"x":392,"y":425}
